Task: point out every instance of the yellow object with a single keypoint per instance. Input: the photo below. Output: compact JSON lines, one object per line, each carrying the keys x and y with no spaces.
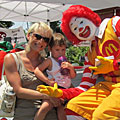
{"x":42,"y":89}
{"x":49,"y":90}
{"x":106,"y":46}
{"x":100,"y":99}
{"x":106,"y":66}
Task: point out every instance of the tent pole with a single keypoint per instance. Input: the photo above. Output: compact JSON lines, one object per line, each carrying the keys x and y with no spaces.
{"x":115,"y":12}
{"x":48,"y":20}
{"x":27,"y":26}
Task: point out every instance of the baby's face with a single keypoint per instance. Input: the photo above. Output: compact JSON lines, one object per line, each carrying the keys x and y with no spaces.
{"x":58,"y":51}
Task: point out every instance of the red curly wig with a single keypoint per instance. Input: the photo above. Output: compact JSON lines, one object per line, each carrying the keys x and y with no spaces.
{"x":77,"y":11}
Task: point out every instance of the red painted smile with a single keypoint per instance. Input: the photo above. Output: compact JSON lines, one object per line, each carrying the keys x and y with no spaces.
{"x":85,"y":33}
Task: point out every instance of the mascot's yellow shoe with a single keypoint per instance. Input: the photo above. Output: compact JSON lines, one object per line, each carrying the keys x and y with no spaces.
{"x":106,"y":66}
{"x":51,"y":91}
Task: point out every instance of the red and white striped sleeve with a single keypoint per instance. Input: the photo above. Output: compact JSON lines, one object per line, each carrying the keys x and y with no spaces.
{"x":88,"y":79}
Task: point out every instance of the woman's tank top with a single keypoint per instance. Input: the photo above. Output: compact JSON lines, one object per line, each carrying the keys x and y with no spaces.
{"x":26,"y":109}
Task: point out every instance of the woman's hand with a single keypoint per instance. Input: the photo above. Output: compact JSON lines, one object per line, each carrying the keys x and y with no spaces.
{"x":55,"y":101}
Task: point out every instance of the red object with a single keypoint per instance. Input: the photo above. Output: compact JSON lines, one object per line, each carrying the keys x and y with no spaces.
{"x":78,"y":11}
{"x":2,"y":55}
{"x":116,"y":64}
{"x":70,"y":112}
{"x":78,"y":67}
{"x":71,"y":93}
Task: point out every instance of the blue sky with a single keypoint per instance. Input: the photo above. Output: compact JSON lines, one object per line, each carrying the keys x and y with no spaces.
{"x":23,"y":24}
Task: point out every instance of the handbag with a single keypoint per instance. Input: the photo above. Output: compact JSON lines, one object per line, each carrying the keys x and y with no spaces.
{"x":7,"y":95}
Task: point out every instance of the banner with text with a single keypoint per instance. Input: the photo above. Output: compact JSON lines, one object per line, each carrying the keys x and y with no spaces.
{"x":12,"y":35}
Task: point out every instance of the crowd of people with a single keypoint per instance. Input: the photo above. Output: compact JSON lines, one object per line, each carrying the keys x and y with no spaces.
{"x":90,"y":100}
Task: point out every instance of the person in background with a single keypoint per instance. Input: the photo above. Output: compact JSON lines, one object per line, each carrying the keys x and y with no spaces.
{"x":23,"y":79}
{"x":62,"y":73}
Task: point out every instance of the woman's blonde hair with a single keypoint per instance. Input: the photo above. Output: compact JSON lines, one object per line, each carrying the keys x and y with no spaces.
{"x":44,"y":29}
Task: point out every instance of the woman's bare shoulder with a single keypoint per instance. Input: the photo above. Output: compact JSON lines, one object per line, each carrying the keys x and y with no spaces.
{"x":8,"y":56}
{"x":9,"y":62}
{"x":9,"y":59}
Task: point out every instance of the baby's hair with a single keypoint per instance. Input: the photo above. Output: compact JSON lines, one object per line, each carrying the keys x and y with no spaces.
{"x":57,"y":39}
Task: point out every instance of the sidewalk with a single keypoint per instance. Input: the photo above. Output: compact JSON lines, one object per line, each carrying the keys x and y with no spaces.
{"x":77,"y":79}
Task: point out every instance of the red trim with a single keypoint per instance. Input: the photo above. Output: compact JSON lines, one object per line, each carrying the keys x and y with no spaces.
{"x":78,"y":67}
{"x":3,"y":119}
{"x":115,"y":64}
{"x":70,"y":112}
{"x":97,"y":47}
{"x":114,"y":80}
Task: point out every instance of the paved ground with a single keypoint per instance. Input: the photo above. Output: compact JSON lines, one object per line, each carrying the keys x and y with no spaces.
{"x":77,"y":79}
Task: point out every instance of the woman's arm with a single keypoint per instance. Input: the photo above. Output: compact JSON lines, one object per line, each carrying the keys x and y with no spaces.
{"x":15,"y":81}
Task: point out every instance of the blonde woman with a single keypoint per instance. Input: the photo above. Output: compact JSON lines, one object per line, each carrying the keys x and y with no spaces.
{"x":19,"y":69}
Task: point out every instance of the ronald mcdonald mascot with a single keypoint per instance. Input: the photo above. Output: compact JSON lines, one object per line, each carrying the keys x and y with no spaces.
{"x":91,"y":100}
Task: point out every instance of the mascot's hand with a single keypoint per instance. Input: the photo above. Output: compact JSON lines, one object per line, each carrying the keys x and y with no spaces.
{"x":106,"y":66}
{"x":49,"y":90}
{"x":43,"y":89}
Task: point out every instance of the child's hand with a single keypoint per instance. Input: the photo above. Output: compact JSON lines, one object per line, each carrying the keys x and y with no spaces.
{"x":65,"y":68}
{"x":51,"y":82}
{"x":66,"y":65}
{"x":69,"y":69}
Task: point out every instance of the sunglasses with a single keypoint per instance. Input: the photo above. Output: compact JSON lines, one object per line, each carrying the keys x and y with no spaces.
{"x":38,"y":37}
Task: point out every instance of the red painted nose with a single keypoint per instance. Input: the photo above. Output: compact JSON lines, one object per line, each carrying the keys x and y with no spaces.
{"x":80,"y":29}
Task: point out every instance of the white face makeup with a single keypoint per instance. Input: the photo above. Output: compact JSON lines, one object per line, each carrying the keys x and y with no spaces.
{"x":82,"y":28}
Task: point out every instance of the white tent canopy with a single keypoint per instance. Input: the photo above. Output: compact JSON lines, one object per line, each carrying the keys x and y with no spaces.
{"x":45,"y":10}
{"x":30,"y":11}
{"x":98,"y":4}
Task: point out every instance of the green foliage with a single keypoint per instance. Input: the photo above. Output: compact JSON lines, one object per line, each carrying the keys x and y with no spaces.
{"x":55,"y":26}
{"x":73,"y":54}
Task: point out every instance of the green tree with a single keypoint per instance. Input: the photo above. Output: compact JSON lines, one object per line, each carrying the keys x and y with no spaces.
{"x":73,"y":54}
{"x":55,"y":26}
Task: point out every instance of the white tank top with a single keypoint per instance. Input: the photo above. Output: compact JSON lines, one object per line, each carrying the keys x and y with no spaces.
{"x":62,"y":80}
